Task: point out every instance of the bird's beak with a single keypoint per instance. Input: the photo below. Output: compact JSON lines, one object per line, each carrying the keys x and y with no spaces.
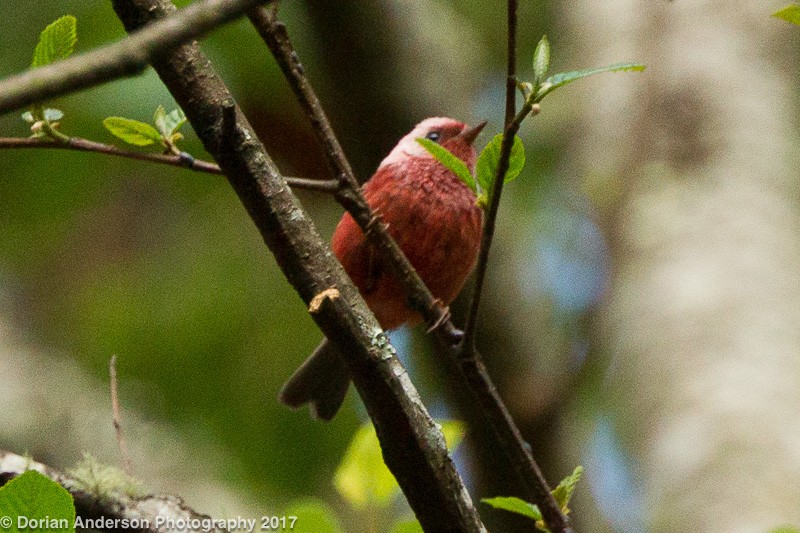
{"x":469,"y":134}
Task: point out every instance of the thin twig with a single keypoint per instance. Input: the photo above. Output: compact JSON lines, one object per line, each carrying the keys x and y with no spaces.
{"x":276,"y":37}
{"x":349,"y":194}
{"x":184,"y":160}
{"x":505,"y":430}
{"x":115,"y":414}
{"x":127,"y":57}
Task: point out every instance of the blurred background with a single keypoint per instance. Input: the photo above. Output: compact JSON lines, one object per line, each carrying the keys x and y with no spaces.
{"x":642,"y":311}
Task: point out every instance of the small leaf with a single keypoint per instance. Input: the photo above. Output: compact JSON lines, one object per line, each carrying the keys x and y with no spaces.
{"x":563,"y":492}
{"x":514,"y":505}
{"x":486,"y":167}
{"x":132,"y":131}
{"x":312,"y":516}
{"x":790,"y":13}
{"x":27,"y":116}
{"x":56,"y":42}
{"x":559,"y":80}
{"x":410,"y":526}
{"x":51,"y":114}
{"x":451,"y":162}
{"x":159,"y":119}
{"x":363,"y":479}
{"x":541,"y":61}
{"x":34,"y":497}
{"x":174,"y":120}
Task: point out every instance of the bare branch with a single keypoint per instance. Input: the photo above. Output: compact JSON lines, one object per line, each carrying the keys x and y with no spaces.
{"x":145,"y":511}
{"x":123,"y":448}
{"x":183,"y":160}
{"x":127,"y":57}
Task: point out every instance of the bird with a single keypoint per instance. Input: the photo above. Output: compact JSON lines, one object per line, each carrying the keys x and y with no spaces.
{"x":435,"y":220}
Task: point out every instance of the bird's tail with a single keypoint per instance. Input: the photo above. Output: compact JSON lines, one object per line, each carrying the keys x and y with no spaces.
{"x":322,"y":380}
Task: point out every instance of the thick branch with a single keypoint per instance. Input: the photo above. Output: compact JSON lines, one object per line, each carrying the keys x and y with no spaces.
{"x":127,"y":57}
{"x":148,"y":511}
{"x":413,"y":446}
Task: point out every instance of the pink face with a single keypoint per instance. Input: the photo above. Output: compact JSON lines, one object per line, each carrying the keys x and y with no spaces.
{"x":437,"y":129}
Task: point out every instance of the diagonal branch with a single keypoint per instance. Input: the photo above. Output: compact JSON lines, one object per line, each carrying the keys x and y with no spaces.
{"x":536,"y":489}
{"x":349,"y":193}
{"x":127,"y":57}
{"x":413,"y":446}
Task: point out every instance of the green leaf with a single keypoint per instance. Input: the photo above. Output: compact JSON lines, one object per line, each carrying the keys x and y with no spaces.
{"x":541,"y":61}
{"x":514,"y":505}
{"x":159,"y":119}
{"x":56,"y":42}
{"x":132,"y":131}
{"x":313,"y":516}
{"x":790,"y":13}
{"x":486,"y":167}
{"x":174,"y":120}
{"x":410,"y":526}
{"x":559,"y":80}
{"x":364,"y":480}
{"x":563,"y":492}
{"x":453,"y":164}
{"x":52,"y":115}
{"x":31,"y":497}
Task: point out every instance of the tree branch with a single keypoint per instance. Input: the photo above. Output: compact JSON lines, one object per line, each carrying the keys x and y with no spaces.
{"x":127,"y":57}
{"x":146,"y":511}
{"x":184,"y":160}
{"x":349,"y":195}
{"x":413,"y":446}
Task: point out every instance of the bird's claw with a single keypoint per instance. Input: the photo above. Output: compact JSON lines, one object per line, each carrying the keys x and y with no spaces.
{"x":444,"y":317}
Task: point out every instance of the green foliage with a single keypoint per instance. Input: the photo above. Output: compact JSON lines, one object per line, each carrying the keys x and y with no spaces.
{"x":784,"y":529}
{"x":541,"y":61}
{"x":563,"y":78}
{"x":104,"y":480}
{"x":132,"y":131}
{"x":514,"y":505}
{"x":453,"y":164}
{"x":562,"y":494}
{"x":410,"y":526}
{"x":35,"y":497}
{"x":140,"y":133}
{"x":313,"y":516}
{"x":488,"y":161}
{"x":363,"y":479}
{"x":790,"y":13}
{"x":56,"y":42}
{"x":168,"y":124}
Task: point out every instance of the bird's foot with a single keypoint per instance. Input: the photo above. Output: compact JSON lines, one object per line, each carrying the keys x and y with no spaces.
{"x":444,"y":317}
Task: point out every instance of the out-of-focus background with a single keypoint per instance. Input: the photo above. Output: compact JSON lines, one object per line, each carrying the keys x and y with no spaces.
{"x":643,"y":309}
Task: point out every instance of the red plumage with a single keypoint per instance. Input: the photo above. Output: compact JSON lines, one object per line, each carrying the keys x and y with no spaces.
{"x":433,"y":217}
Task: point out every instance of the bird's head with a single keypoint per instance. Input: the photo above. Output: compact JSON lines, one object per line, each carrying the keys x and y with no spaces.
{"x":453,"y":135}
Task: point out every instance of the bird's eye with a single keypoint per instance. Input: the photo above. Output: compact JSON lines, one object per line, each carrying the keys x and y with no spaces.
{"x":434,"y":136}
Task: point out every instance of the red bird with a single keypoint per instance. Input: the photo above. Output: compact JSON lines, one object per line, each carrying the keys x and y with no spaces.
{"x":433,"y":217}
